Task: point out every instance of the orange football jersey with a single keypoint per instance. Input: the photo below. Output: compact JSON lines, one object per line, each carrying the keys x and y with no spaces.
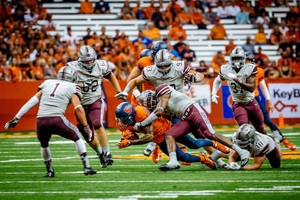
{"x":160,"y":125}
{"x":142,"y":63}
{"x":259,"y":77}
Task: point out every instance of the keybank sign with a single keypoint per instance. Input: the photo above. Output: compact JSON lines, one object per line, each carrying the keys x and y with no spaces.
{"x":286,"y":99}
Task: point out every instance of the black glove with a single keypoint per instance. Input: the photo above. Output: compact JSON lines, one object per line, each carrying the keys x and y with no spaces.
{"x":11,"y":124}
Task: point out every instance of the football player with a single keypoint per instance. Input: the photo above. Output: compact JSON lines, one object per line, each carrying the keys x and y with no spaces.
{"x":240,"y":78}
{"x":147,"y":58}
{"x":53,"y":98}
{"x":90,"y":72}
{"x":260,"y":146}
{"x":194,"y":119}
{"x":260,"y":81}
{"x":126,"y":116}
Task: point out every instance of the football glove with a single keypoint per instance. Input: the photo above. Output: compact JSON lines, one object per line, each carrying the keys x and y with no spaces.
{"x":137,"y":126}
{"x":192,"y":78}
{"x":214,"y":98}
{"x":234,"y":166}
{"x":123,"y":143}
{"x":89,"y":132}
{"x":11,"y":124}
{"x":87,"y":83}
{"x":127,"y":134}
{"x":121,"y":95}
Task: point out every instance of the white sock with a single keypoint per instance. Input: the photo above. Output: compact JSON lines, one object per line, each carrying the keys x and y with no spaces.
{"x":215,"y":155}
{"x":46,"y":153}
{"x":81,"y":149}
{"x":106,"y":149}
{"x":237,"y":148}
{"x":173,"y":157}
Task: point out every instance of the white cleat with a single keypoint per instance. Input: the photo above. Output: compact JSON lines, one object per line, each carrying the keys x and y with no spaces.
{"x":169,"y":166}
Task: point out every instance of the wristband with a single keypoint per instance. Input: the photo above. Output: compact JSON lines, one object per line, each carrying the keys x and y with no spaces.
{"x":136,"y":93}
{"x":160,"y":108}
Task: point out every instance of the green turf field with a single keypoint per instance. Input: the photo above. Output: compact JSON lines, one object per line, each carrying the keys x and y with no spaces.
{"x":134,"y":176}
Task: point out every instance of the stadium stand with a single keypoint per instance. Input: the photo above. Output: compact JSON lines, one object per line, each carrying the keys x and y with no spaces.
{"x":65,"y":14}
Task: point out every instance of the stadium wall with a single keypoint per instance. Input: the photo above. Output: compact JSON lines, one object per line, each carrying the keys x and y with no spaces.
{"x":285,"y":94}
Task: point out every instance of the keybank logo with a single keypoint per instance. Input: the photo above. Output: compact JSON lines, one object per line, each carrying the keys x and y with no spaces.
{"x":282,"y":94}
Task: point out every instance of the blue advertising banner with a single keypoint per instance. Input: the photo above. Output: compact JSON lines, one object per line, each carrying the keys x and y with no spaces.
{"x":226,"y":102}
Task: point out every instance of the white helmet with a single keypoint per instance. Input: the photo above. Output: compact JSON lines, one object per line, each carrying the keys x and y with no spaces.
{"x":85,"y":54}
{"x":148,"y":99}
{"x":245,"y":136}
{"x":237,"y":58}
{"x":67,"y":73}
{"x":163,"y":61}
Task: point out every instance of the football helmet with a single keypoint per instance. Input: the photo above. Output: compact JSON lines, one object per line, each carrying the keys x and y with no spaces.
{"x":237,"y":58}
{"x":86,"y":54}
{"x":163,"y":61}
{"x":67,"y":73}
{"x":159,"y":45}
{"x":245,"y":136}
{"x":145,"y":53}
{"x":125,"y":115}
{"x":148,"y":99}
{"x":250,"y":57}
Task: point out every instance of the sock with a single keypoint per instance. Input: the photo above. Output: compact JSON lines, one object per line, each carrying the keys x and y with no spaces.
{"x":85,"y":160}
{"x":106,"y":149}
{"x":173,"y":157}
{"x":46,"y":153}
{"x":48,"y":165}
{"x":237,"y":148}
{"x":215,"y":155}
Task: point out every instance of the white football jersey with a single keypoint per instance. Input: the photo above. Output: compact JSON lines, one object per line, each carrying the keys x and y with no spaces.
{"x":93,"y":92}
{"x":56,"y":96}
{"x":174,"y":78}
{"x":263,"y":144}
{"x":174,"y":108}
{"x":238,"y":94}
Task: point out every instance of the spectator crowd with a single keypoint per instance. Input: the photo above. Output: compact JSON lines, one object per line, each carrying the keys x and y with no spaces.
{"x":29,"y":52}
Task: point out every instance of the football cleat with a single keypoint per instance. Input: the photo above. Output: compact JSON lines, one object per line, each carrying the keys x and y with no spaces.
{"x":89,"y":171}
{"x":169,"y":166}
{"x":220,"y":147}
{"x":108,"y":158}
{"x":50,"y":174}
{"x":183,"y":149}
{"x":102,"y":160}
{"x":289,"y":145}
{"x":156,"y":154}
{"x":244,"y":157}
{"x":221,"y":164}
{"x":208,"y":162}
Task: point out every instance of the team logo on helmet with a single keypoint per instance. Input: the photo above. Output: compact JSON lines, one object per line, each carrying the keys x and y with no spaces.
{"x":128,"y":110}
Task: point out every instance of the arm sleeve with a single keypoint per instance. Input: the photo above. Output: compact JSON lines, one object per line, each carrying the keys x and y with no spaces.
{"x":264,"y":89}
{"x":27,"y":106}
{"x":149,"y":119}
{"x":216,"y":85}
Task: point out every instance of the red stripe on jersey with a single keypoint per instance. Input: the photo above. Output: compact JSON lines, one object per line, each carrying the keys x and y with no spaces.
{"x":186,"y":68}
{"x":254,"y":72}
{"x":144,"y":75}
{"x":162,"y":90}
{"x":78,"y":88}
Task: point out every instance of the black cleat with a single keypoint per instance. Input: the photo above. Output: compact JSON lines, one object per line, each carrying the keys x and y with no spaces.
{"x":108,"y":158}
{"x":102,"y":160}
{"x":50,"y":174}
{"x":89,"y":171}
